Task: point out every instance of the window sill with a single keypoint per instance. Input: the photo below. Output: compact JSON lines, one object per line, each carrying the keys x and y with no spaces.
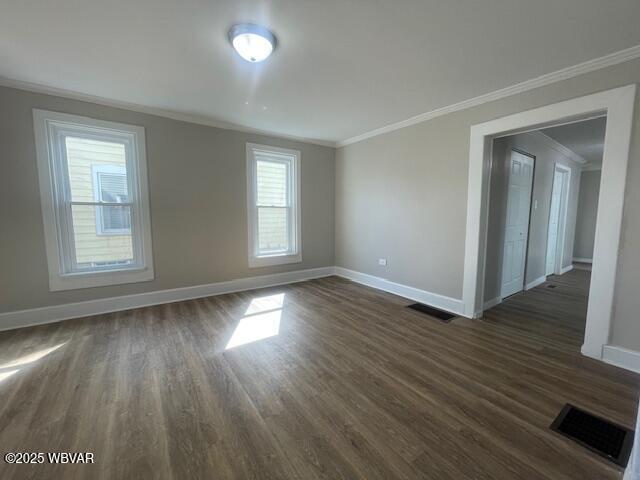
{"x":76,"y":281}
{"x":267,"y":261}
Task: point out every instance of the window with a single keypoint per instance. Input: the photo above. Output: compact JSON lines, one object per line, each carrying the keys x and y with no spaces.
{"x":273,"y":184}
{"x":110,"y":186}
{"x":94,"y":201}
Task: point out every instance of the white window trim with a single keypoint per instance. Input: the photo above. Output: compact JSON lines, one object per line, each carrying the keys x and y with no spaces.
{"x":96,"y":170}
{"x":256,"y":260}
{"x":52,"y":202}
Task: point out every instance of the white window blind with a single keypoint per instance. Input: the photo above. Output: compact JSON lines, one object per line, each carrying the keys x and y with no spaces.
{"x":273,"y":187}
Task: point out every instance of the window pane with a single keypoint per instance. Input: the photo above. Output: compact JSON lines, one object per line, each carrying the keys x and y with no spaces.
{"x":271,"y":183}
{"x":86,"y":157}
{"x":94,"y":249}
{"x":272,"y":230}
{"x":113,"y":219}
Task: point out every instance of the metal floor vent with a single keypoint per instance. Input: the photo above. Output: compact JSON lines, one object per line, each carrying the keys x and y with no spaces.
{"x":432,"y":312}
{"x":601,"y":436}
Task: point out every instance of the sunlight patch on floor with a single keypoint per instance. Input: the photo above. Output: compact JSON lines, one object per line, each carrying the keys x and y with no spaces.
{"x":7,"y":374}
{"x":10,"y":368}
{"x":262,"y":320}
{"x":31,"y":357}
{"x":265,"y":304}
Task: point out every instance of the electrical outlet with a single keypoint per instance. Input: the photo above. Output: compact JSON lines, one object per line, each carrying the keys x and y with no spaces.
{"x":382,"y":262}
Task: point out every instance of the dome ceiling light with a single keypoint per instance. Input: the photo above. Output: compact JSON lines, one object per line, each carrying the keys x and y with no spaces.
{"x":253,"y":42}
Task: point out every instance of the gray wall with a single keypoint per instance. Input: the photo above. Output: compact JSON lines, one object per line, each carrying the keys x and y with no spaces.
{"x":546,"y":158}
{"x":587,"y":213}
{"x":402,"y":195}
{"x":197,"y":188}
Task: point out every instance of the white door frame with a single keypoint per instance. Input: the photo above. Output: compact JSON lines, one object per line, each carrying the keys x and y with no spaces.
{"x":564,"y":210}
{"x":618,"y":105}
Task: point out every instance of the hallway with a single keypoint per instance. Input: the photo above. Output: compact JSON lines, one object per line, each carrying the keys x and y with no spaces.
{"x":554,"y":312}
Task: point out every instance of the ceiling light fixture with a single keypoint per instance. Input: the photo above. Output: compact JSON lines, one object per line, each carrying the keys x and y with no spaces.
{"x":253,"y":42}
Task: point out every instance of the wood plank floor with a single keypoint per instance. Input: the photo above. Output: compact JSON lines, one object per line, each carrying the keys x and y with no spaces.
{"x":349,"y":385}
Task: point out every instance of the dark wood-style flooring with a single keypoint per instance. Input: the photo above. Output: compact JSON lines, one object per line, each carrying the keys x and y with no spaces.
{"x":350,"y":385}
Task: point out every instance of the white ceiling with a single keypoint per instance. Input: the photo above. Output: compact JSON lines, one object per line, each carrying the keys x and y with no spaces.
{"x":584,"y":138}
{"x":342,"y":67}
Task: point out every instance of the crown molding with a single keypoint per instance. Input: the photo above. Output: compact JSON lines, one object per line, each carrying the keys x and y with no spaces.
{"x":558,"y":147}
{"x":592,"y":167}
{"x":547,"y":79}
{"x":160,"y":112}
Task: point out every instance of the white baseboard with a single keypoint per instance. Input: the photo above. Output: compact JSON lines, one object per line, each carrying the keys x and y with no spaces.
{"x":442,"y":302}
{"x":56,"y":313}
{"x":492,"y":303}
{"x":536,"y":282}
{"x":566,"y":269}
{"x":621,"y":357}
{"x":582,"y":260}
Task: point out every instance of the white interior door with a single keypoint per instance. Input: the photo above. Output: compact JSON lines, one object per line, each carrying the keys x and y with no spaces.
{"x":517,"y":223}
{"x":554,"y":222}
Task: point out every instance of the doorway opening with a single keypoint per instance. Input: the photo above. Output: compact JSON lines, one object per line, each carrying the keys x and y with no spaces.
{"x":534,"y":205}
{"x":617,"y":106}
